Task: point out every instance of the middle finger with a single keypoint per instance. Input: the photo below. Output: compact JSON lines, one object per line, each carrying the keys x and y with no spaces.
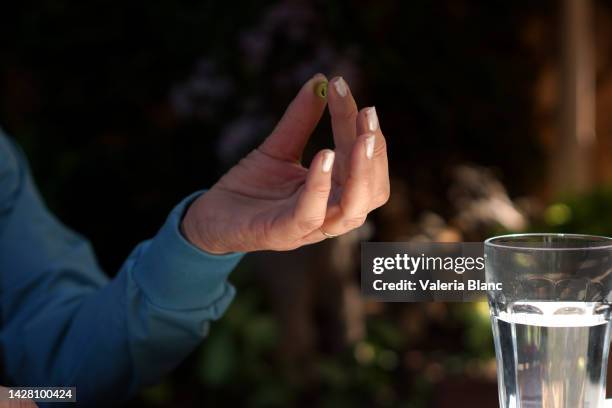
{"x":343,"y":112}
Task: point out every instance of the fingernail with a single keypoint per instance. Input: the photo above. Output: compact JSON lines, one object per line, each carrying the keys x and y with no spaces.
{"x":341,"y":86}
{"x":321,"y":89}
{"x":372,"y":119}
{"x":369,"y":142}
{"x":328,"y":161}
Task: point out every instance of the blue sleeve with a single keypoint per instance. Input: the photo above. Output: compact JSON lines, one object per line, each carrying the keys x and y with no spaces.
{"x":64,"y":323}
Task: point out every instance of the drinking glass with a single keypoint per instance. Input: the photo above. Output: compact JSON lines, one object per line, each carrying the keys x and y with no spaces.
{"x":551,"y":318}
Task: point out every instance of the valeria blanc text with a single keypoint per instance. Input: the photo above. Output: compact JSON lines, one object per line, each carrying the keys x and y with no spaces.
{"x":436,"y":285}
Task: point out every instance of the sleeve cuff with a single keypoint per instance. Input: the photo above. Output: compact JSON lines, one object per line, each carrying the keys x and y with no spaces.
{"x":175,"y":274}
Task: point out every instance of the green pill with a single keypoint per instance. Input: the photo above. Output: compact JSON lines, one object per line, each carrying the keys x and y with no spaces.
{"x":321,"y":89}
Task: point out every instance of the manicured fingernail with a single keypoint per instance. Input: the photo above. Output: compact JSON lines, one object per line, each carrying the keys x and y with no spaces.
{"x":369,"y":143}
{"x":372,"y":119}
{"x":328,"y":161}
{"x":341,"y":86}
{"x":321,"y":89}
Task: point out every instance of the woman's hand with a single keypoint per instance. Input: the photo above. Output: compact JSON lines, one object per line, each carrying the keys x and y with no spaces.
{"x":269,"y":200}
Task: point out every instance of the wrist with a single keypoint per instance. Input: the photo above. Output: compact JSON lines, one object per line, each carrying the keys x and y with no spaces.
{"x":198,"y":228}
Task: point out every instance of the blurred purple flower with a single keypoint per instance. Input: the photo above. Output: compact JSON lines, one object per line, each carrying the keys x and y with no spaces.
{"x":202,"y":92}
{"x":240,"y":135}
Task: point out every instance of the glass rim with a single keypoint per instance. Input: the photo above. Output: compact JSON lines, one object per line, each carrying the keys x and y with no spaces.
{"x":605,"y":243}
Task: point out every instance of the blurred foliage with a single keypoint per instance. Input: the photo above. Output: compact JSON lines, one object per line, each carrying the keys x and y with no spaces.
{"x":587,"y":213}
{"x":238,"y":363}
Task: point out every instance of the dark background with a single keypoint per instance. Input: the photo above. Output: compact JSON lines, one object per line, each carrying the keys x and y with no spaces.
{"x":124,"y":108}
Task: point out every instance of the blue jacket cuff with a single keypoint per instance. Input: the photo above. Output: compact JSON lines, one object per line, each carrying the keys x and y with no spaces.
{"x":175,"y":274}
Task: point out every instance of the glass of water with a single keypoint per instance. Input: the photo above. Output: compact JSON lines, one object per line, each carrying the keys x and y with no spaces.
{"x":551,"y":320}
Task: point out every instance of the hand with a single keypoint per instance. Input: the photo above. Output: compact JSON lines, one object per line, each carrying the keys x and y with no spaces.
{"x":269,"y":200}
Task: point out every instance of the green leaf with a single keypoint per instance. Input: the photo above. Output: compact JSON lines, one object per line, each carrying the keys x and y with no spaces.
{"x":218,"y":359}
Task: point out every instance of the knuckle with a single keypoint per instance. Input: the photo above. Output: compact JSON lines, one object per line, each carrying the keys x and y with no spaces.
{"x":309,"y":224}
{"x":320,"y":189}
{"x":380,"y":199}
{"x":354,"y":222}
{"x":383,"y":196}
{"x":361,"y":180}
{"x":348,"y":113}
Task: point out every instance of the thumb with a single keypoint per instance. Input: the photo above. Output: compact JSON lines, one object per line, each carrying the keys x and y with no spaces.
{"x":292,"y":132}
